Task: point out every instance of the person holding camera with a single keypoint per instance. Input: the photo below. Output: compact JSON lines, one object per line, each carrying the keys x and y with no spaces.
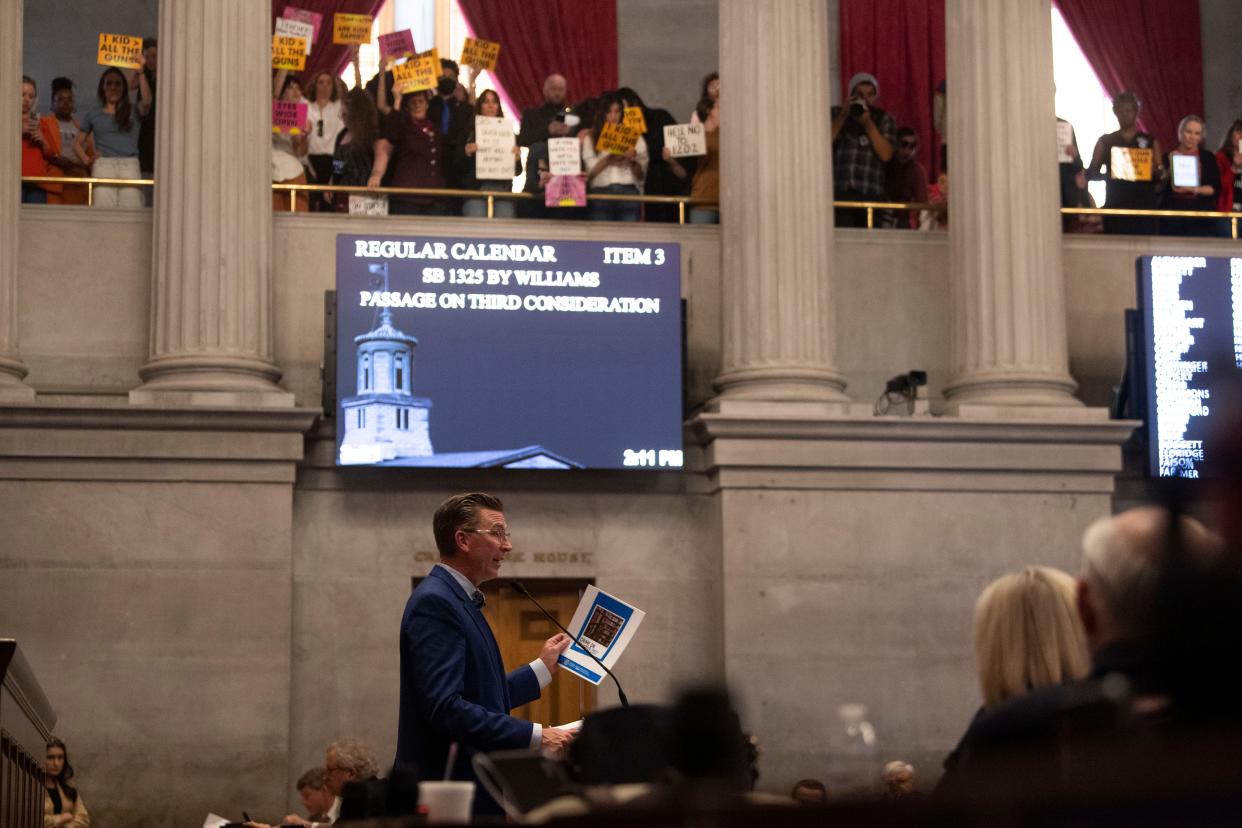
{"x":862,"y":145}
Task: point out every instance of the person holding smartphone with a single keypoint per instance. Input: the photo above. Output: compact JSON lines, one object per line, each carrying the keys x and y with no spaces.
{"x":862,"y":145}
{"x":35,"y":148}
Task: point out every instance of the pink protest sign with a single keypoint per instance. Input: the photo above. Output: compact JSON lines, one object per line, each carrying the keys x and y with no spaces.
{"x":288,"y":116}
{"x":565,"y":191}
{"x":313,"y":18}
{"x":396,"y":45}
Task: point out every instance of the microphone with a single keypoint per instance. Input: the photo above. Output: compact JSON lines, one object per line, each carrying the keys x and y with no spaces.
{"x":522,"y":589}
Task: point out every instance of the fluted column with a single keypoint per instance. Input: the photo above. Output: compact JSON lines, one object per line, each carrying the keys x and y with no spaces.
{"x":12,"y":371}
{"x":776,"y":203}
{"x":1008,"y":296}
{"x":211,"y":298}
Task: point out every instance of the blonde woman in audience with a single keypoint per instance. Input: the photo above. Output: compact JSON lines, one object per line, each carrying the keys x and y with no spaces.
{"x":1027,"y":635}
{"x":62,"y":804}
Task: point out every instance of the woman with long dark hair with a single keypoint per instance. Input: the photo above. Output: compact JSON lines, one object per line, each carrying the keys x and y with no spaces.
{"x":612,"y":174}
{"x":116,"y":124}
{"x":488,"y":106}
{"x":63,"y":805}
{"x":355,"y":145}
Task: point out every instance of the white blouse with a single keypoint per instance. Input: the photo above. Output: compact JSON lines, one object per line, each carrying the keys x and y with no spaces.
{"x":614,"y":173}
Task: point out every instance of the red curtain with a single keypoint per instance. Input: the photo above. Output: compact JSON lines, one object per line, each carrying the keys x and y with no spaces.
{"x":325,"y":55}
{"x":574,"y":38}
{"x":901,"y":42}
{"x":1152,"y":48}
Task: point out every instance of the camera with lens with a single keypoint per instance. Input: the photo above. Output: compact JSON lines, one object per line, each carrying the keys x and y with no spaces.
{"x":856,"y":109}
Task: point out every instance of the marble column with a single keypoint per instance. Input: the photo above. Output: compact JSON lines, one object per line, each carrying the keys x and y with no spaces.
{"x":12,"y":371}
{"x":776,"y":204}
{"x":1009,"y":343}
{"x":211,"y":298}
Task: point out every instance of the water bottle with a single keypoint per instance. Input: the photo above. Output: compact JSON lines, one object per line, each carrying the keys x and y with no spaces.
{"x":853,"y":764}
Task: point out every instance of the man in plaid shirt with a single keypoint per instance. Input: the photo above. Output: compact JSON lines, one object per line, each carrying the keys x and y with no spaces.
{"x":862,"y":144}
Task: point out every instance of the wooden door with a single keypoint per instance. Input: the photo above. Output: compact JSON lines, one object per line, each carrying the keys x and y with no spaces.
{"x":520,"y":630}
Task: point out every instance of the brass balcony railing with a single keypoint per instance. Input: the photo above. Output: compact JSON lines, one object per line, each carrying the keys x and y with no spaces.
{"x":682,"y":202}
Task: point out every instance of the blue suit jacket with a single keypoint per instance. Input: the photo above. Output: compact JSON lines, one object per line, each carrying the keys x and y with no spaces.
{"x":453,"y":684}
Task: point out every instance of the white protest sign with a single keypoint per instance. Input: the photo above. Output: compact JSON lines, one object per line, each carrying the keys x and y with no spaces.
{"x":494,"y":142}
{"x":368,"y":205}
{"x":296,"y":28}
{"x":1065,"y":139}
{"x":564,"y":157}
{"x":1185,"y":170}
{"x":684,"y":140}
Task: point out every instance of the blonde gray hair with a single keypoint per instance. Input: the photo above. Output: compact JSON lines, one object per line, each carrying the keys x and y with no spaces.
{"x":1028,"y":634}
{"x":355,"y":756}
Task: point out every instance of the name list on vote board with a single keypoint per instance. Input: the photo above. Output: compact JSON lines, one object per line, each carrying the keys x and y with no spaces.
{"x":1180,"y":299}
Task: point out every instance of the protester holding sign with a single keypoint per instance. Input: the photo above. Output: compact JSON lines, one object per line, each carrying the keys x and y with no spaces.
{"x":288,"y":150}
{"x":1194,"y":190}
{"x":661,"y":180}
{"x":453,"y":117}
{"x":613,"y":174}
{"x":1124,"y":148}
{"x":487,"y":106}
{"x":411,"y":153}
{"x":325,"y":124}
{"x":115,"y":126}
{"x":146,"y":134}
{"x":705,"y":183}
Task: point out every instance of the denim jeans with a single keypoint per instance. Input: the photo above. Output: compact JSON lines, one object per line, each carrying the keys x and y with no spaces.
{"x":614,"y":210}
{"x":501,"y":207}
{"x":701,"y":215}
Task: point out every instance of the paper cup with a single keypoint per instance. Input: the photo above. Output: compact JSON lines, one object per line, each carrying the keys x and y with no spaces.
{"x":446,"y":802}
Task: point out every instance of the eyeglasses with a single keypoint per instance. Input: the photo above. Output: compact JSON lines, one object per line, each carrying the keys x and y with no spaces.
{"x":501,"y":535}
{"x":909,"y":144}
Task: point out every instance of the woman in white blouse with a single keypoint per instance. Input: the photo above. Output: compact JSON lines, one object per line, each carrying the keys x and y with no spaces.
{"x":612,"y":174}
{"x":326,"y":123}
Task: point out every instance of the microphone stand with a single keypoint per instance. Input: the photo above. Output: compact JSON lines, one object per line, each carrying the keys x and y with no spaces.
{"x":522,"y":589}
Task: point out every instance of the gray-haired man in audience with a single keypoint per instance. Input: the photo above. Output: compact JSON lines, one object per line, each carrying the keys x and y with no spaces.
{"x":345,"y":761}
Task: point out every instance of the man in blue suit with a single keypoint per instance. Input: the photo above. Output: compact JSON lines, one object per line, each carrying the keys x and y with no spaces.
{"x":453,"y":685}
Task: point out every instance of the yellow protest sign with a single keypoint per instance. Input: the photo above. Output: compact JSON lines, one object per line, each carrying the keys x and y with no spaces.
{"x":288,"y":53}
{"x":434,"y":54}
{"x":1131,"y":164}
{"x":481,"y":54}
{"x":122,"y":51}
{"x":617,"y":139}
{"x":634,"y":118}
{"x":351,"y":28}
{"x":415,"y":75}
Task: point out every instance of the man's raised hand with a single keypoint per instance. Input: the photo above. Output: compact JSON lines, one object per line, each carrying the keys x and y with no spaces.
{"x":552,"y":649}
